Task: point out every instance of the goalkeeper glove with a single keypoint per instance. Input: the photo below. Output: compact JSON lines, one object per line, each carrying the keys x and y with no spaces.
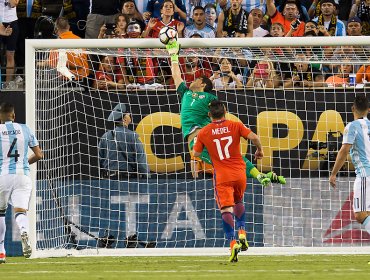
{"x":174,"y":50}
{"x":275,"y":178}
{"x":263,"y":179}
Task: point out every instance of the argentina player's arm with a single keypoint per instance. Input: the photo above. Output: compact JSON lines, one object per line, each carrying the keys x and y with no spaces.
{"x":34,"y":145}
{"x":36,"y":156}
{"x":349,"y":136}
{"x":340,"y":160}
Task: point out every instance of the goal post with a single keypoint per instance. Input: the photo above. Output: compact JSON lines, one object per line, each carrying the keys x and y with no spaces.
{"x":77,"y":210}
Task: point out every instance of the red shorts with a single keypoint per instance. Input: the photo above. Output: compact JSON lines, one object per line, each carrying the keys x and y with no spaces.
{"x":227,"y":193}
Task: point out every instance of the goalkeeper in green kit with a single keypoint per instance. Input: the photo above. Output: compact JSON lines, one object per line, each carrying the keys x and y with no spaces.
{"x":194,"y":116}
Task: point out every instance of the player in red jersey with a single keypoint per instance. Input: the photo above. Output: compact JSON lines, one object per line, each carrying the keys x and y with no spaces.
{"x":222,"y":140}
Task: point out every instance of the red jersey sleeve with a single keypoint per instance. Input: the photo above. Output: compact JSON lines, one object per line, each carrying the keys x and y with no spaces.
{"x":243,"y":130}
{"x":199,"y":145}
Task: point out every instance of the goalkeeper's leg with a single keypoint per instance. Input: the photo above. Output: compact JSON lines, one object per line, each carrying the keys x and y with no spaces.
{"x":253,"y":172}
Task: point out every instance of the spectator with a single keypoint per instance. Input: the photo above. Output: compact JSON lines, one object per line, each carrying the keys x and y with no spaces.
{"x":120,"y":30}
{"x":121,"y":153}
{"x":361,"y":9}
{"x":258,"y":30}
{"x":264,"y":76}
{"x":156,"y":24}
{"x":109,"y":75}
{"x":354,"y":27}
{"x":9,"y":19}
{"x":289,"y":16}
{"x":319,"y":30}
{"x":193,"y":67}
{"x":191,"y":4}
{"x":363,"y":74}
{"x":129,"y":9}
{"x":328,"y":19}
{"x":277,"y":30}
{"x":137,"y":71}
{"x":311,"y":26}
{"x":302,"y":75}
{"x":302,"y":11}
{"x":225,"y":78}
{"x":342,"y":78}
{"x":199,"y":25}
{"x":154,"y":10}
{"x":134,"y":30}
{"x":76,"y":63}
{"x":101,"y":12}
{"x":235,"y":22}
{"x":121,"y":23}
{"x":211,"y":15}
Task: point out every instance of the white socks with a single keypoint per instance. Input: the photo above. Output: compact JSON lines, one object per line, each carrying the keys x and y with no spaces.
{"x":22,"y":222}
{"x":2,"y":234}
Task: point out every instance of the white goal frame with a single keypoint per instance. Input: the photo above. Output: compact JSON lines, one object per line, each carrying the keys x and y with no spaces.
{"x":32,"y":45}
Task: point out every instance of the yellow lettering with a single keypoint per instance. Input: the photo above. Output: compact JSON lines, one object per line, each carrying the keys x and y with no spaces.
{"x":265,"y":122}
{"x":330,"y":121}
{"x":145,"y":130}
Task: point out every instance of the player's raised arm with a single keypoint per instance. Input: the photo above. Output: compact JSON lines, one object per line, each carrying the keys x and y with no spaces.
{"x":173,"y":50}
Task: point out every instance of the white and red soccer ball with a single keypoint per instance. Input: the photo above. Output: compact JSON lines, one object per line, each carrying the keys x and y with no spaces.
{"x":167,"y":35}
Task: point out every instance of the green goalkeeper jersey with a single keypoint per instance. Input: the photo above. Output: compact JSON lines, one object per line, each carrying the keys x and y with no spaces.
{"x":194,"y":108}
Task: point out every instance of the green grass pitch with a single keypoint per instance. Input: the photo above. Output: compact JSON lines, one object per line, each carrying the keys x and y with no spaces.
{"x":315,"y":267}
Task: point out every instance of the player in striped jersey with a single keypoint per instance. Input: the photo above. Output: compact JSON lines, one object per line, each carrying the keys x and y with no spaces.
{"x":356,"y":140}
{"x":222,"y":140}
{"x":15,"y":183}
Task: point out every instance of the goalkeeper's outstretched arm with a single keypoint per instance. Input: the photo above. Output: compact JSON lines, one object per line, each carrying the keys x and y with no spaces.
{"x":173,"y":50}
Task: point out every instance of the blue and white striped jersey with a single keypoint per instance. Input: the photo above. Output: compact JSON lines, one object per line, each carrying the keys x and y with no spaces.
{"x":340,"y":27}
{"x":357,"y":133}
{"x":206,"y":32}
{"x":15,"y":139}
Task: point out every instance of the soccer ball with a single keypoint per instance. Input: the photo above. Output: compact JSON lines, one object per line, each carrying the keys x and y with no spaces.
{"x":167,"y":35}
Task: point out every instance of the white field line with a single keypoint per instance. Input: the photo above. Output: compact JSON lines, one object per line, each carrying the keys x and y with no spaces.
{"x":153,"y":260}
{"x":192,"y":271}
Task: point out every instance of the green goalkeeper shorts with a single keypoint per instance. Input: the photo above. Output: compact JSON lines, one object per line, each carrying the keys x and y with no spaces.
{"x":206,"y":158}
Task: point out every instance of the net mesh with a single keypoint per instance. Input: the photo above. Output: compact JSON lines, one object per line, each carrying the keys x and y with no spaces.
{"x":283,"y":94}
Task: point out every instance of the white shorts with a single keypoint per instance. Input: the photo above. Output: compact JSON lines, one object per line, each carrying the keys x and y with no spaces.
{"x":361,"y":194}
{"x":16,"y":190}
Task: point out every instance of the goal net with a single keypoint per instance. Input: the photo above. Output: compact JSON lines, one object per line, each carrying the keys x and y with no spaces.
{"x":295,"y":93}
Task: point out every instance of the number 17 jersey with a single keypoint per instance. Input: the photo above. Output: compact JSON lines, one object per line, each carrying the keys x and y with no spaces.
{"x":222,"y":140}
{"x":15,"y":139}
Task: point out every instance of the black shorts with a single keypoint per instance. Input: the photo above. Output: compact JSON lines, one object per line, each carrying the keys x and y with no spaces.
{"x":11,"y":41}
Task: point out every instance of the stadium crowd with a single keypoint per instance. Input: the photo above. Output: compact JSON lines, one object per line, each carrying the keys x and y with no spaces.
{"x":21,"y":19}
